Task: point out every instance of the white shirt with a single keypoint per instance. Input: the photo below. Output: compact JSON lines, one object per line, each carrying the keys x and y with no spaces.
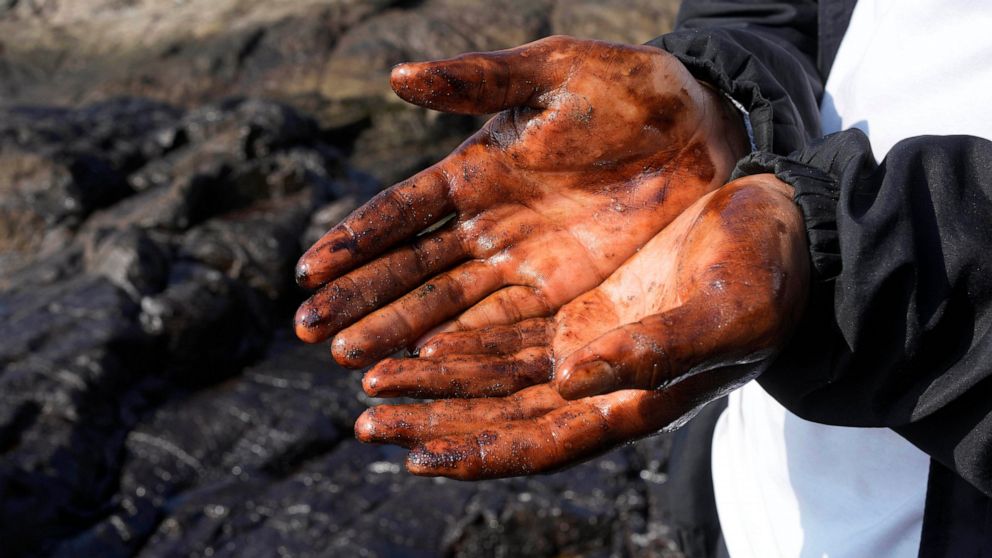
{"x":786,"y":487}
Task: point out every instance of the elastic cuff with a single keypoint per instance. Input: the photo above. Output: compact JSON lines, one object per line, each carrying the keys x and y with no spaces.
{"x":816,"y":193}
{"x":745,"y":116}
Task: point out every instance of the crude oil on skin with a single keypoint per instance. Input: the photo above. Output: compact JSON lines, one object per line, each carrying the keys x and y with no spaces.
{"x":619,"y":373}
{"x":604,"y":168}
{"x":551,"y":189}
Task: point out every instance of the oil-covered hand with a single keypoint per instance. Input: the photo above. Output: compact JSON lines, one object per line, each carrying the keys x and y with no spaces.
{"x":693,"y":315}
{"x":597,"y":148}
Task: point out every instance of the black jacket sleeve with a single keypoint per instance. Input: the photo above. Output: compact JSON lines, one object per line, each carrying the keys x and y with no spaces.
{"x":898,"y":331}
{"x":763,"y":55}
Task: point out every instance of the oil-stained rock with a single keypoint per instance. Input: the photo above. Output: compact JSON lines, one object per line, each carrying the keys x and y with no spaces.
{"x":140,"y":297}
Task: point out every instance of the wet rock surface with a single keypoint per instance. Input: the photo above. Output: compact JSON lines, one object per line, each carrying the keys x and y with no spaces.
{"x":152,"y":400}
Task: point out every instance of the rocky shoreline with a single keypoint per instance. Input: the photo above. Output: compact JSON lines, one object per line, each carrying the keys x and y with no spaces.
{"x":152,"y":400}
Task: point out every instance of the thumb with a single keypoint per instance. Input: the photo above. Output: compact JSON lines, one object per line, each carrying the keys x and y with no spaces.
{"x":660,"y":350}
{"x":486,"y":82}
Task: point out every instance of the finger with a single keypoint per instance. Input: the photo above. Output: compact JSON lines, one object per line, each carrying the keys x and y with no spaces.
{"x":496,"y":340}
{"x":487,"y":82}
{"x":396,"y":326}
{"x":569,"y":433}
{"x":506,"y":306}
{"x":393,"y":215}
{"x":349,"y":298}
{"x":516,"y":448}
{"x":661,"y":349}
{"x":411,"y":424}
{"x":458,"y":376}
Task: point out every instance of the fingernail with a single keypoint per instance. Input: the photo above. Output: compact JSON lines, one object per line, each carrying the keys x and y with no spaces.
{"x":401,"y":70}
{"x":426,"y":345}
{"x":587,"y":379}
{"x":303,"y":274}
{"x":365,"y":426}
{"x":400,"y":76}
{"x":349,"y":354}
{"x":370,"y":384}
{"x":306,"y":323}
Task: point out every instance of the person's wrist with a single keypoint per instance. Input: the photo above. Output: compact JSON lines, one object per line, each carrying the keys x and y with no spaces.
{"x":723,"y":127}
{"x":728,"y":122}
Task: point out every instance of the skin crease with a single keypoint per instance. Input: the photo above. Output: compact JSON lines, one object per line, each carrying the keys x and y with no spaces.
{"x":598,"y":147}
{"x":690,"y":317}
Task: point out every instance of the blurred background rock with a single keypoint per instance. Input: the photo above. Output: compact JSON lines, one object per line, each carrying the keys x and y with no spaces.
{"x":162,"y":165}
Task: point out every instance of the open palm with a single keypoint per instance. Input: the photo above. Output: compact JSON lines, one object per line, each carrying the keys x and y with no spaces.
{"x":688,"y":318}
{"x":597,"y":148}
